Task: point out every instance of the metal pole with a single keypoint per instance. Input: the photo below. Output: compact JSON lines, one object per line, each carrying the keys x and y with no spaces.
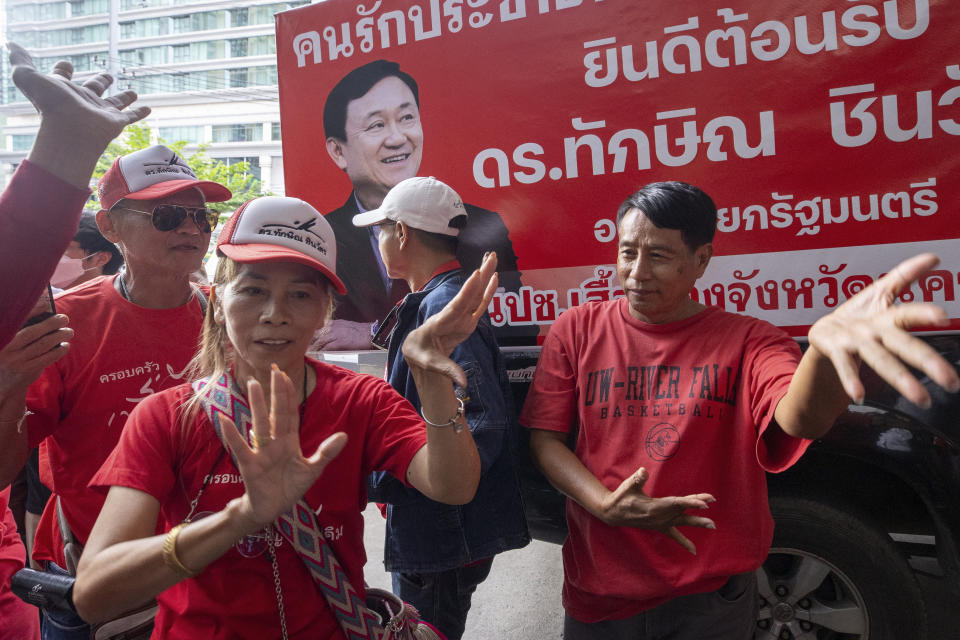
{"x":113,"y":62}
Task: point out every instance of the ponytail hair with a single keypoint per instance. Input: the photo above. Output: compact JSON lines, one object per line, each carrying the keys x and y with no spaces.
{"x":213,"y":357}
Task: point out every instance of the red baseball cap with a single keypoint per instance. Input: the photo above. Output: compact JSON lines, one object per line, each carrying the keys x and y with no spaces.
{"x":153,"y":173}
{"x":279,"y":229}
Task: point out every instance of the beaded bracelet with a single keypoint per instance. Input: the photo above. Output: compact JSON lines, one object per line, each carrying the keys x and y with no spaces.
{"x":170,"y":553}
{"x":454,"y":421}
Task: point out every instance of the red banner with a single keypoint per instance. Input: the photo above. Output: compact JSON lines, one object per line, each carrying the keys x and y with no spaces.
{"x":827,"y":132}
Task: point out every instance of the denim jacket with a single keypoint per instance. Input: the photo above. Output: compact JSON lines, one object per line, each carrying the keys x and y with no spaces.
{"x":428,"y":536}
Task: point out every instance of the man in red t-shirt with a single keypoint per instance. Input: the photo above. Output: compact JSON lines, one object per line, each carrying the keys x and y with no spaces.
{"x":38,"y":216}
{"x":675,"y":399}
{"x":135,"y":334}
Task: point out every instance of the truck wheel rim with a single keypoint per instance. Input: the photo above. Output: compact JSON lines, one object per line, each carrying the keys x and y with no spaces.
{"x":803,"y":596}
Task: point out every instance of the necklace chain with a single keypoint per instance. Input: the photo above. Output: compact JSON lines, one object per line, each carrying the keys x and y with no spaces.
{"x":272,"y":541}
{"x":271,"y":534}
{"x":123,"y":288}
{"x":272,"y":545}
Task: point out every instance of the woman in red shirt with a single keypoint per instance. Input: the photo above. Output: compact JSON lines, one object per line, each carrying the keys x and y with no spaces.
{"x":215,"y":464}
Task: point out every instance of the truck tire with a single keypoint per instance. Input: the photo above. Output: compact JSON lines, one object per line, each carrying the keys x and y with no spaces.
{"x":830,"y":575}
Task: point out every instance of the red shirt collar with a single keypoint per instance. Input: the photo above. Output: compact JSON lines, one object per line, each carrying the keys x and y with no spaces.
{"x":446,"y":266}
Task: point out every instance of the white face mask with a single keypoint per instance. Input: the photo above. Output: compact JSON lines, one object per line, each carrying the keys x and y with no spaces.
{"x":68,"y":270}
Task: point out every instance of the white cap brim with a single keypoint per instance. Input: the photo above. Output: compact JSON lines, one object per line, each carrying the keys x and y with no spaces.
{"x":369,"y":218}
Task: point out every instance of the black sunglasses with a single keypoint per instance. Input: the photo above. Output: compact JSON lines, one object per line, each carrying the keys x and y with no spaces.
{"x":167,"y":217}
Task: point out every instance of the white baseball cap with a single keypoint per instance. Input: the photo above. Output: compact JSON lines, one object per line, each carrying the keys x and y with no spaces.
{"x":279,"y":229}
{"x":423,"y":203}
{"x":152,"y":173}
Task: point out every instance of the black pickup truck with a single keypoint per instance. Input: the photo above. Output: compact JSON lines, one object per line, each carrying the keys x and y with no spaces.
{"x":867,"y":508}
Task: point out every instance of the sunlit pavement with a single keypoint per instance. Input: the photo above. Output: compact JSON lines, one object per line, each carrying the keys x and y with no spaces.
{"x":520,"y":600}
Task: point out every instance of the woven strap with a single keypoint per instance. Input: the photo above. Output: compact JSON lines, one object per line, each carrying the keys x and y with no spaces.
{"x":299,"y":525}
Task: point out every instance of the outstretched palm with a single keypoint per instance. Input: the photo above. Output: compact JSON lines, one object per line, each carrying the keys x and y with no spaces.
{"x":275,"y":472}
{"x":77,"y":108}
{"x":871,"y":327}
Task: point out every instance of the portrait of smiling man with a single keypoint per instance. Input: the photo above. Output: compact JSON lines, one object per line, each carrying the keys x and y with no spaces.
{"x":374,"y":134}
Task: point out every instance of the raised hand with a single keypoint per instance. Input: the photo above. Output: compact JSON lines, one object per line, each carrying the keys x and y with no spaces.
{"x":274,"y":470}
{"x":872,"y":328}
{"x":76,"y":122}
{"x":70,"y":105}
{"x":429,"y":346}
{"x":629,"y":506}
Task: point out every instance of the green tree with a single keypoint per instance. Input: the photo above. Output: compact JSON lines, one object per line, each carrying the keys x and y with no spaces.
{"x":235,"y":177}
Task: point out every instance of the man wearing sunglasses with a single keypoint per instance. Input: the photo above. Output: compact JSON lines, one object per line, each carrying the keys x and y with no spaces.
{"x":135,"y":333}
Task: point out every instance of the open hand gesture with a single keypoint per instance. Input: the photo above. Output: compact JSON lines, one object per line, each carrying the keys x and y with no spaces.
{"x":629,"y":506}
{"x":429,"y":346}
{"x":74,"y":109}
{"x":869,"y":326}
{"x":274,"y":470}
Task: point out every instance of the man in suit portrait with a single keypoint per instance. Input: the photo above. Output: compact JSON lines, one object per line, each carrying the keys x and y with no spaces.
{"x":371,"y":122}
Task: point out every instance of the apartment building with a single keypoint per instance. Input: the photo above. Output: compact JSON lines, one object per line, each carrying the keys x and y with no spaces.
{"x":207,"y":68}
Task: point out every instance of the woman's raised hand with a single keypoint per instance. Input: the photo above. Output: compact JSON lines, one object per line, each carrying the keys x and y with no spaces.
{"x":274,"y":470}
{"x":428,"y":347}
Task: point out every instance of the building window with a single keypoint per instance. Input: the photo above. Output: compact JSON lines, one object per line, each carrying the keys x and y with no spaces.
{"x":61,"y":37}
{"x":34,"y":12}
{"x":238,"y":48}
{"x":192,"y":134}
{"x":128,"y":5}
{"x":263,"y":76}
{"x":262,"y":46}
{"x":181,"y":53}
{"x":211,"y":80}
{"x":88,"y":7}
{"x":238,"y":77}
{"x":181,"y":24}
{"x":144,"y":28}
{"x":203,"y":21}
{"x":237,"y":132}
{"x":239,"y":17}
{"x":80,"y":62}
{"x":22,"y":141}
{"x":144,"y":56}
{"x":172,"y":82}
{"x":214,"y":49}
{"x":275,"y":131}
{"x":53,"y":10}
{"x":12,"y":94}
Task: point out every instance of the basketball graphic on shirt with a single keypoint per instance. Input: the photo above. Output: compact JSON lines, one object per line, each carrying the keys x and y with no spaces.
{"x":662,"y":441}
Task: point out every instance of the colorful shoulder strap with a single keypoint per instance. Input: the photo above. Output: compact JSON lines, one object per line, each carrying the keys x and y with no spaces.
{"x":299,"y":525}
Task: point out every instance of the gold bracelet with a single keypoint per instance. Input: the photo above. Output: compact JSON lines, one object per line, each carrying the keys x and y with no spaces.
{"x":170,"y":553}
